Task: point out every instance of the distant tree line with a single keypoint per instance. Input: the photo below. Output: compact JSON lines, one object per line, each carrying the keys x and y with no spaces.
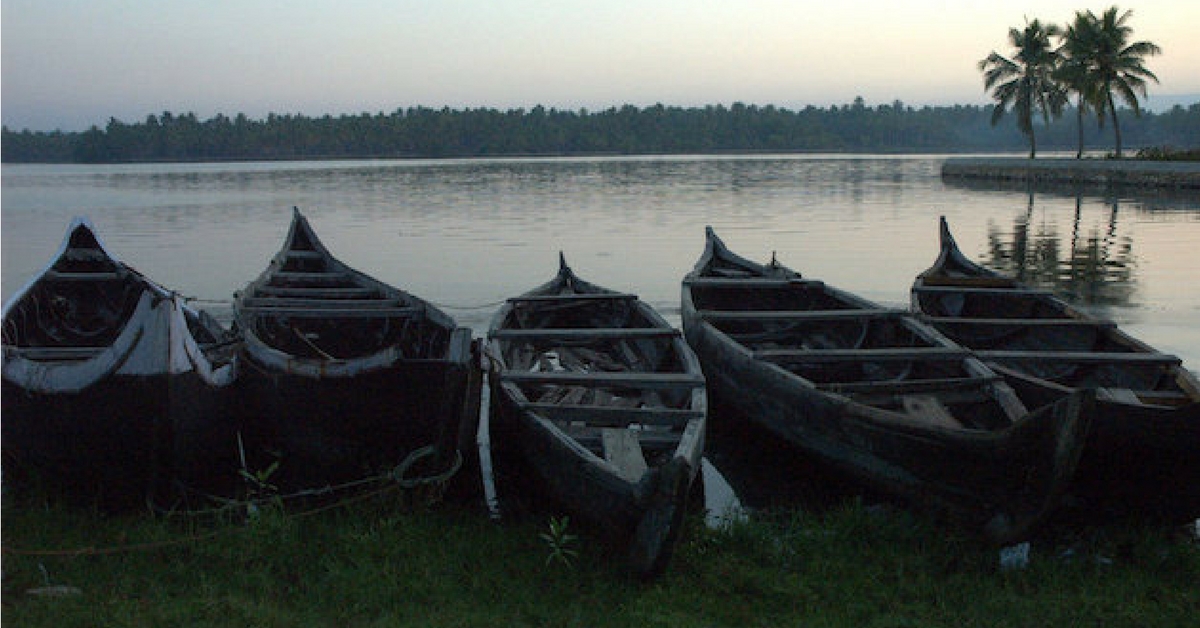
{"x":427,"y":132}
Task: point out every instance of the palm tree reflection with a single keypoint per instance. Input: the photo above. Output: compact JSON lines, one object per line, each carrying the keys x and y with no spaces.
{"x":1096,"y":266}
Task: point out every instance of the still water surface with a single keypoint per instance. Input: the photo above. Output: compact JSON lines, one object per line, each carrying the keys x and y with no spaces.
{"x":468,"y":233}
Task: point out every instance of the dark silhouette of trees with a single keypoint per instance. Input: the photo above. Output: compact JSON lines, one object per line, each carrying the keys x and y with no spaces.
{"x":1026,"y":82}
{"x":485,"y":132}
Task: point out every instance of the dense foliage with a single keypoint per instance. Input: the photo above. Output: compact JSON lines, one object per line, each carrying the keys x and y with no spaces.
{"x":425,"y":132}
{"x":1094,"y":59}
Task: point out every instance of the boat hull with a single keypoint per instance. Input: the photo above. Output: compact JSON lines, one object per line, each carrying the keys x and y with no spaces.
{"x":109,"y":444}
{"x":1001,"y":482}
{"x":335,"y":430}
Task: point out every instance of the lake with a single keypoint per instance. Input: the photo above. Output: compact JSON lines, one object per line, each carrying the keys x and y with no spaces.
{"x":466,"y":234}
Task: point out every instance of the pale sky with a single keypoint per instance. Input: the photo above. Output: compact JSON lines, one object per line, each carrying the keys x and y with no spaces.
{"x":69,"y":64}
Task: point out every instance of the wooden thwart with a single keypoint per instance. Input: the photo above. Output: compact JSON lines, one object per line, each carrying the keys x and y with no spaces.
{"x":319,"y":303}
{"x":1023,"y":292}
{"x":864,"y":355}
{"x":551,"y":298}
{"x":333,"y":312}
{"x":585,"y":333}
{"x":82,"y":276}
{"x":1087,"y":357}
{"x":798,"y":315}
{"x":973,"y":281}
{"x":318,"y":293}
{"x":1018,"y":322}
{"x":910,"y":386}
{"x":624,"y":379}
{"x":751,"y":282}
{"x":55,"y":353}
{"x":622,"y":449}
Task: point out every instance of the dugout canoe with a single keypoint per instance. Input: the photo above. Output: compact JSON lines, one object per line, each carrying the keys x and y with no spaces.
{"x":1144,"y":447}
{"x":877,"y":394}
{"x":348,"y":378}
{"x":113,"y":386}
{"x":606,"y":403}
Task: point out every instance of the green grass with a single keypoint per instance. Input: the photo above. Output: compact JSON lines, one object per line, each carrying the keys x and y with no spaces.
{"x":382,"y":563}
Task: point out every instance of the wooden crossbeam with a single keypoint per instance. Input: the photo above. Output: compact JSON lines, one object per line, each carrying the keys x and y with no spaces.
{"x":621,"y":379}
{"x":319,"y":303}
{"x":798,"y":315}
{"x":907,"y":386}
{"x":750,"y":282}
{"x":55,"y":353}
{"x":599,"y":333}
{"x":861,"y":355}
{"x":1024,"y":292}
{"x":952,"y":321}
{"x":82,"y":276}
{"x":554,"y":298}
{"x":331,"y":312}
{"x":1088,"y":357}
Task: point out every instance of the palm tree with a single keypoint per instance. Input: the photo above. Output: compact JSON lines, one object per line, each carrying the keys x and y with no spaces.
{"x":1077,"y":60}
{"x":1026,"y":82}
{"x":1120,"y":66}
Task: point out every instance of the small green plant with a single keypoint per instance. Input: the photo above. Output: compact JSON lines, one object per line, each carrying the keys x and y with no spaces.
{"x":560,"y":542}
{"x":259,"y":488}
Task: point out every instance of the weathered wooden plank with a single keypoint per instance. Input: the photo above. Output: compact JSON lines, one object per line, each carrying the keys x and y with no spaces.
{"x":298,"y":254}
{"x":910,"y":386}
{"x":605,"y":333}
{"x":86,"y":255}
{"x":750,"y":282}
{"x":54,"y":353}
{"x":613,"y":416}
{"x":962,"y":280}
{"x":304,"y":276}
{"x":1024,"y":292}
{"x":553,"y":298}
{"x":325,"y":293}
{"x":861,"y":355}
{"x":798,"y":315}
{"x":1084,"y":357}
{"x":319,"y":303}
{"x":624,"y":379}
{"x":81,"y":276}
{"x":332,"y":312}
{"x":622,"y":449}
{"x":953,"y":321}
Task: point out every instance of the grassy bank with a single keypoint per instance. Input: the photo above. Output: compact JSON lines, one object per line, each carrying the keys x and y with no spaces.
{"x":383,"y":563}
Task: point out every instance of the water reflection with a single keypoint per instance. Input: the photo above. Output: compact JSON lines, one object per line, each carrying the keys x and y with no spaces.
{"x":1090,"y":265}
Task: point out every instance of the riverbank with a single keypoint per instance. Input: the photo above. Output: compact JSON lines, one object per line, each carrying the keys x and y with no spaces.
{"x":379,"y":562}
{"x":1104,"y":173}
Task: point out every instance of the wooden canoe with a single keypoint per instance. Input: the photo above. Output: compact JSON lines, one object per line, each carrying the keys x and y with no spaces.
{"x":1144,"y":447}
{"x":607,"y":404}
{"x":112,"y":384}
{"x":348,"y":377}
{"x":876,"y":393}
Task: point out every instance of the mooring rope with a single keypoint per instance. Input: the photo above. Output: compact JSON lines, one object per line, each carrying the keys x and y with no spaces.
{"x":392,"y":480}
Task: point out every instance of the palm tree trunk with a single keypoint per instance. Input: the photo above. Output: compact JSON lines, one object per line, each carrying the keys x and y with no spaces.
{"x":1116,"y":125}
{"x":1079,"y":125}
{"x":1032,"y":143}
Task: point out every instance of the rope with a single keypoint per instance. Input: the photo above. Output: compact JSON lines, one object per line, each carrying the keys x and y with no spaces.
{"x":397,"y":475}
{"x":417,"y":455}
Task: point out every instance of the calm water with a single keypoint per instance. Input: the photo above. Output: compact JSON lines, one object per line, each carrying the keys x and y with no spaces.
{"x":467,"y":233}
